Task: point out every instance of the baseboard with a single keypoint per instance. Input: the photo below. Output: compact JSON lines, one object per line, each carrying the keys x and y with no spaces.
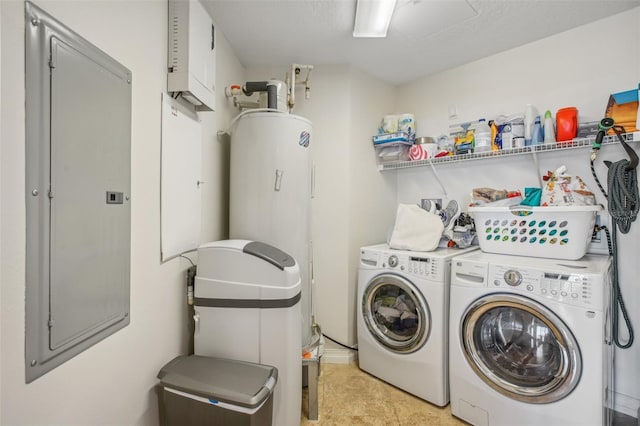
{"x":338,"y":356}
{"x":626,"y":405}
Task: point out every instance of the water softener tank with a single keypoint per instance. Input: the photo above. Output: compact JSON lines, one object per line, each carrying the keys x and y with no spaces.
{"x":270,"y":190}
{"x":247,"y":308}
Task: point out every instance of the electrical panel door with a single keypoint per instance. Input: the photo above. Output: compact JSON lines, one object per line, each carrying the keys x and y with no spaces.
{"x":89,"y":241}
{"x":78,"y":194}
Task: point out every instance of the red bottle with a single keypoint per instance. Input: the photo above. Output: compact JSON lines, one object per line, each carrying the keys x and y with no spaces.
{"x":566,"y":124}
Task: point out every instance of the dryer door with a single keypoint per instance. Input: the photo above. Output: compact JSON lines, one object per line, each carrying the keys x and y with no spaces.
{"x":396,"y":313}
{"x":520,"y":348}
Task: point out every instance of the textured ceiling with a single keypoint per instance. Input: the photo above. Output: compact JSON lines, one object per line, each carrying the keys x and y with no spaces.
{"x":425,"y":36}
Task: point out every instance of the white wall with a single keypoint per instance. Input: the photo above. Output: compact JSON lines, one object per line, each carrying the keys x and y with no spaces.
{"x":353,"y":202}
{"x":1,"y":202}
{"x":371,"y":196}
{"x":564,"y":70}
{"x":113,"y":381}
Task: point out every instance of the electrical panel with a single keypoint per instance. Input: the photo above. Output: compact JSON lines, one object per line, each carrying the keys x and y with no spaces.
{"x":78,"y":180}
{"x":192,"y":54}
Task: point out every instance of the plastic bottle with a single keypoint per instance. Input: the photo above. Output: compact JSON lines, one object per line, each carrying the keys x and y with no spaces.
{"x":549,"y":130}
{"x":566,"y":124}
{"x":536,"y":134}
{"x":482,"y":136}
{"x":529,"y":118}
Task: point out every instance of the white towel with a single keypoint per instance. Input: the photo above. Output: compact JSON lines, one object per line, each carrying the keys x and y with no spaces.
{"x":416,"y":229}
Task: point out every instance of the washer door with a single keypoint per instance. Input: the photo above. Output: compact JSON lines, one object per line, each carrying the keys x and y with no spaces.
{"x":520,"y":348}
{"x":396,"y":313}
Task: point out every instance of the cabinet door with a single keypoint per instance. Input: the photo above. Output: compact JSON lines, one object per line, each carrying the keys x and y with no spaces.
{"x":202,"y":57}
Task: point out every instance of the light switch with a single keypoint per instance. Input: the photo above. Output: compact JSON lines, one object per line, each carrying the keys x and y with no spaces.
{"x":453,"y":111}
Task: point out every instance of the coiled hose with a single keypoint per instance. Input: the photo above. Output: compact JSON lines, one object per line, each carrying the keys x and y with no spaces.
{"x":623,"y":199}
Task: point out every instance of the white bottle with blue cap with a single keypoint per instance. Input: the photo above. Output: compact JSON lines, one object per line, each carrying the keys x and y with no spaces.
{"x":482,"y":137}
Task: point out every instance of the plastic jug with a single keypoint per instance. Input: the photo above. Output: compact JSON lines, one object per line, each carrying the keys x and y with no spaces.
{"x":566,"y":124}
{"x":482,"y":136}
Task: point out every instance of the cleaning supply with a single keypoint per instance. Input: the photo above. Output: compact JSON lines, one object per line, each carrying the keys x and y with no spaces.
{"x":536,"y":134}
{"x":566,"y":124}
{"x":482,"y":137}
{"x":407,"y":123}
{"x":549,"y":130}
{"x":529,"y":118}
{"x":496,"y":138}
{"x":464,"y":144}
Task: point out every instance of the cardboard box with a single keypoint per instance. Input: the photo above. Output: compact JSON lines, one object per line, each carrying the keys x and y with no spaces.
{"x":623,"y":108}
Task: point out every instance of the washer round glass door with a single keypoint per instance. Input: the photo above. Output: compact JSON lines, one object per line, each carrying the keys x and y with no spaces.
{"x":520,"y":348}
{"x":396,"y":313}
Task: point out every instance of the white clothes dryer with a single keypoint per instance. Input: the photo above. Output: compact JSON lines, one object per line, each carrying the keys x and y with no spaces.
{"x":402,"y":317}
{"x":530,"y":340}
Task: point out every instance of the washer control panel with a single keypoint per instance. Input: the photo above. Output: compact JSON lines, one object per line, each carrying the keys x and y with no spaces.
{"x":423,"y":267}
{"x":513,"y":277}
{"x":571,"y":288}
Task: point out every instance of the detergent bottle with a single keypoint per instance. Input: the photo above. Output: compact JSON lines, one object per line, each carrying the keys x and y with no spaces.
{"x":536,"y":134}
{"x":549,"y":129}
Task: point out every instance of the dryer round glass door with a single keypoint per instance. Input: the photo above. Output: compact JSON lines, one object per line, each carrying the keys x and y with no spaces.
{"x":520,"y":348}
{"x":396,"y":313}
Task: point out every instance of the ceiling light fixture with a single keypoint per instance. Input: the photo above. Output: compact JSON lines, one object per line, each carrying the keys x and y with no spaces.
{"x":373,"y":17}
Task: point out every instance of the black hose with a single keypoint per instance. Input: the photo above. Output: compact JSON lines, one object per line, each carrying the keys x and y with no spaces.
{"x":623,"y":199}
{"x":341,"y":344}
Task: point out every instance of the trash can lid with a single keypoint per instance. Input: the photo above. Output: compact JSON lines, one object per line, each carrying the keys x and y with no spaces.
{"x":234,"y":382}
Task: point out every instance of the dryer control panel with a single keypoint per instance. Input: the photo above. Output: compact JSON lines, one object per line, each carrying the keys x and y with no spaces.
{"x":577,"y":289}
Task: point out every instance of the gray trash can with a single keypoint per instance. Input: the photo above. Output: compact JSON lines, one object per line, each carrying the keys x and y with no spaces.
{"x":198,"y":390}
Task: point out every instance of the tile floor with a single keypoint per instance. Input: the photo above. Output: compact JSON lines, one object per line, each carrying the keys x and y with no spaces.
{"x":348,"y":396}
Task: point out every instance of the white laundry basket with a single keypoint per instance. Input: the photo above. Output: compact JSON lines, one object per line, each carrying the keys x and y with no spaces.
{"x":562,"y":232}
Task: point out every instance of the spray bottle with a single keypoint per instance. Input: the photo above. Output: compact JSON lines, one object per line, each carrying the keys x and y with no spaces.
{"x":529,"y":118}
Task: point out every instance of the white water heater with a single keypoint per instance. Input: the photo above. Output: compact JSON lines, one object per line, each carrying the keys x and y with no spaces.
{"x":270,"y":190}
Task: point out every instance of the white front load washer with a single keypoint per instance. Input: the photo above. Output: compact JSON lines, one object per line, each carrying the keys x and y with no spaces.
{"x":402,"y":317}
{"x":529,"y":340}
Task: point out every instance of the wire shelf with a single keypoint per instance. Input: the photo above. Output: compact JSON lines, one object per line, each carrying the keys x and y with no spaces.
{"x":586,"y":142}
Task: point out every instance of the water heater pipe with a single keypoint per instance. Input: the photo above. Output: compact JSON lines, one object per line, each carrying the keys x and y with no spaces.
{"x":263,"y":86}
{"x":291,"y":82}
{"x":233,"y":90}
